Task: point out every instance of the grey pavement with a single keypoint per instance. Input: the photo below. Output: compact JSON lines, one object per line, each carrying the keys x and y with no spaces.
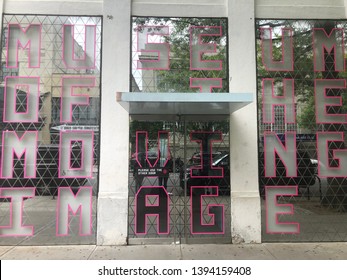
{"x":264,"y":251}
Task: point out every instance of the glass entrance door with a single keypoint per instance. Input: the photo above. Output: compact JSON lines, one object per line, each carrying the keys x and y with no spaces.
{"x":179,"y":182}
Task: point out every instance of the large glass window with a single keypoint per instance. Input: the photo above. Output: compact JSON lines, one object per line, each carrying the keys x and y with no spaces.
{"x":50,"y":85}
{"x":179,"y":55}
{"x":302,"y":129}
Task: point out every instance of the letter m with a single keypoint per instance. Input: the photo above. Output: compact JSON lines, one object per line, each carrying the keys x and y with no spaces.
{"x":29,"y":39}
{"x":324,"y":43}
{"x":13,"y":145}
{"x":79,"y":204}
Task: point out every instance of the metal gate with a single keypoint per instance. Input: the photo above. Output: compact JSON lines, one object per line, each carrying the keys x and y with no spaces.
{"x":179,"y":182}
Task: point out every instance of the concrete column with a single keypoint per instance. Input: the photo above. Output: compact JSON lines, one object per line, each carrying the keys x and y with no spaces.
{"x":245,"y":200}
{"x":112,"y":208}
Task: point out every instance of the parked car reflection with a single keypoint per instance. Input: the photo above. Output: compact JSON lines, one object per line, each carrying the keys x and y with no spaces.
{"x":306,"y":174}
{"x":47,"y":178}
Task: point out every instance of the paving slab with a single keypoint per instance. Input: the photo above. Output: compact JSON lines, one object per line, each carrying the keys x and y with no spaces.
{"x":308,"y":251}
{"x":265,"y":251}
{"x":137,"y":252}
{"x":79,"y":252}
{"x":225,"y":252}
{"x":4,"y":250}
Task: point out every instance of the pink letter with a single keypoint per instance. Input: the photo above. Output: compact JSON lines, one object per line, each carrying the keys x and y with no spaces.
{"x":154,"y":56}
{"x":287,"y":153}
{"x":329,"y":42}
{"x":163,"y":148}
{"x":24,"y":85}
{"x":70,"y":203}
{"x":205,"y":84}
{"x":206,"y":140}
{"x":215,"y":211}
{"x":274,"y":209}
{"x":287,"y":61}
{"x":323,"y":101}
{"x":83,"y":154}
{"x":69,"y":96}
{"x":16,"y":227}
{"x":160,"y":209}
{"x":271,"y":99}
{"x":75,"y":56}
{"x":13,"y":145}
{"x":337,"y":155}
{"x":30,"y":39}
{"x":198,"y":48}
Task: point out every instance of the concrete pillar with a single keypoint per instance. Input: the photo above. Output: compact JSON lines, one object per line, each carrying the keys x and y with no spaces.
{"x":245,"y":200}
{"x":112,"y":207}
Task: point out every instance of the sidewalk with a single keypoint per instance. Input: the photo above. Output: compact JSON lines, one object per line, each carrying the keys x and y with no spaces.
{"x":265,"y":251}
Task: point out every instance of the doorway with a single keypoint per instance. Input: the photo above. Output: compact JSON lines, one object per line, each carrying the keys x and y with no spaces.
{"x":179,"y":181}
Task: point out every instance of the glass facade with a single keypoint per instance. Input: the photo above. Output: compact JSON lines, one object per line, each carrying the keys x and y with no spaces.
{"x":179,"y":186}
{"x":302,"y":122}
{"x":50,"y":100}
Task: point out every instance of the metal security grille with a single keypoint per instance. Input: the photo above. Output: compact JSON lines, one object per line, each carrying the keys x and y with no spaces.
{"x":294,"y":59}
{"x":41,"y":211}
{"x":185,"y":155}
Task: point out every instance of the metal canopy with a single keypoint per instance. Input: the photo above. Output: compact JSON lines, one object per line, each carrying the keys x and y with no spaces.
{"x":179,"y":103}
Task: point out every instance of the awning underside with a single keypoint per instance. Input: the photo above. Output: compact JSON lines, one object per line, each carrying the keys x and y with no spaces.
{"x":143,"y":103}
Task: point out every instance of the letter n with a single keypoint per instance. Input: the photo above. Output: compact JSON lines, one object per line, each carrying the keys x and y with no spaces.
{"x":287,"y":154}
